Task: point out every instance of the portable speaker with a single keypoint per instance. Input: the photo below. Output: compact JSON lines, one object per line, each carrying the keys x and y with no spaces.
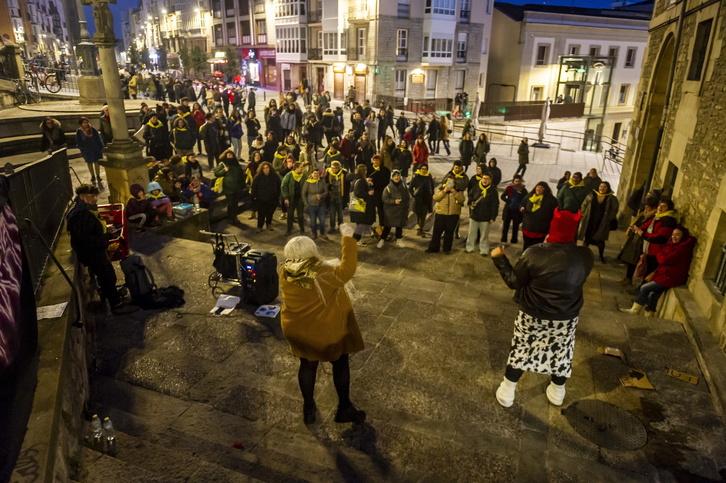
{"x":260,"y":281}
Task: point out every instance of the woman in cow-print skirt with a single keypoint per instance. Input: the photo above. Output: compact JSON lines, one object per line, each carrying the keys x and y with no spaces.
{"x":548,"y":280}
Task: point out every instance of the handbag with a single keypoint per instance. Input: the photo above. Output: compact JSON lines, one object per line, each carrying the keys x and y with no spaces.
{"x":357,"y":204}
{"x":641,"y":268}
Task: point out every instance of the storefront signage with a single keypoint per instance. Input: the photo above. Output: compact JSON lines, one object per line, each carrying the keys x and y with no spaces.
{"x":339,"y":68}
{"x":267,"y":53}
{"x":417,"y":78}
{"x":219,"y":55}
{"x":361,"y":68}
{"x":285,"y":66}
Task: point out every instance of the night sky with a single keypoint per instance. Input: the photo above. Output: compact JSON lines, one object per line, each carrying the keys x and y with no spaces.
{"x":128,"y":4}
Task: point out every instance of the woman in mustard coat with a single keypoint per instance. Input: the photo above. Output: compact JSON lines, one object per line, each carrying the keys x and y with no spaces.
{"x":318,"y":319}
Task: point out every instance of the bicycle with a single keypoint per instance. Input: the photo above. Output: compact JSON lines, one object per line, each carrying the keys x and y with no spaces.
{"x":23,"y":94}
{"x":425,"y":112}
{"x":460,"y":114}
{"x":42,"y":78}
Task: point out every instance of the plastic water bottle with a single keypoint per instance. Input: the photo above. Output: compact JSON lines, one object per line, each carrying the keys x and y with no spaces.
{"x":195,"y":200}
{"x":96,"y":433}
{"x":110,"y":435}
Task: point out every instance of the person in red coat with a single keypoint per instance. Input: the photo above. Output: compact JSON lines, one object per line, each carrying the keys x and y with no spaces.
{"x":674,"y":262}
{"x":656,"y":232}
{"x":420,"y":153}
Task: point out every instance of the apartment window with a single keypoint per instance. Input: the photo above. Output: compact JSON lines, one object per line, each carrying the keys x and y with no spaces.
{"x":229,"y":7}
{"x":441,"y":7}
{"x":289,"y":8}
{"x":320,"y":39}
{"x":330,"y":43}
{"x":574,"y":50}
{"x":404,"y":8}
{"x":700,"y":48}
{"x":594,"y":50}
{"x":623,"y":95}
{"x":401,"y":45}
{"x":461,"y":46}
{"x":536,"y":93}
{"x":613,"y":51}
{"x":231,"y":33}
{"x":465,"y":12}
{"x":343,"y":43}
{"x":543,"y":53}
{"x":259,"y":6}
{"x":489,"y":6}
{"x":431,"y":83}
{"x":400,"y":85}
{"x":459,"y":80}
{"x":291,"y":40}
{"x":218,"y":37}
{"x":361,"y":39}
{"x":669,"y":183}
{"x":439,"y":48}
{"x":630,"y":57}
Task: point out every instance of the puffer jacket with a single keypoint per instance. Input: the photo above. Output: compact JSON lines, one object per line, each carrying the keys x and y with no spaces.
{"x":396,"y":214}
{"x":448,"y":203}
{"x":311,"y":189}
{"x":674,"y":262}
{"x":548,"y":279}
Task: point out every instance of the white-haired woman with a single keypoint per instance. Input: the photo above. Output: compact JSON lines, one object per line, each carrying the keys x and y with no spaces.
{"x":318,"y":319}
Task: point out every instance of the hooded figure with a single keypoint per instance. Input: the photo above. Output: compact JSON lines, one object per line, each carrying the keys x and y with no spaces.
{"x":547,"y":280}
{"x":318,"y":320}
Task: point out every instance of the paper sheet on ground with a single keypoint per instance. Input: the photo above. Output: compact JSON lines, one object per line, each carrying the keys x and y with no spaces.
{"x":225,"y":305}
{"x":681,"y":375}
{"x":636,"y":378}
{"x":52,"y":311}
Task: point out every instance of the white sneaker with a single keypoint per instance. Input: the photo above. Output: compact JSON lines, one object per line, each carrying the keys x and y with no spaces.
{"x":555,"y":393}
{"x":361,"y":243}
{"x":505,"y":392}
{"x":400,"y":244}
{"x":380,"y":243}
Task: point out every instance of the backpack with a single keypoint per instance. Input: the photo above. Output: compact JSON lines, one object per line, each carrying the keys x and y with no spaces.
{"x":138,"y":280}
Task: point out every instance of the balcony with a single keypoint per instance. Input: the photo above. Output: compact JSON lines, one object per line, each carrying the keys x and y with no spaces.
{"x":465,"y":16}
{"x":315,"y":54}
{"x":232,"y":41}
{"x":401,"y":55}
{"x":246,"y":39}
{"x":259,"y":7}
{"x":261,"y":38}
{"x":358,"y":12}
{"x":229,"y":13}
{"x":404,"y":10}
{"x":461,"y":57}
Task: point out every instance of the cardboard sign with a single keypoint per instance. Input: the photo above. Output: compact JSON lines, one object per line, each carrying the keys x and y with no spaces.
{"x":691,"y":379}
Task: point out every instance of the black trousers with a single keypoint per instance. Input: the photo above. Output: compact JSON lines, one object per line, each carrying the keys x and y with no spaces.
{"x":521,"y":169}
{"x":513,"y":375}
{"x":295,"y":206}
{"x":341,"y":379}
{"x":443,"y":225}
{"x":513,"y":217}
{"x":387,"y":231}
{"x":232,"y":206}
{"x":100,"y":266}
{"x":529,"y":241}
{"x":265,"y":211}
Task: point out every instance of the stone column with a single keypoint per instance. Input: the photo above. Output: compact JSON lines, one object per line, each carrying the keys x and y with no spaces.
{"x":90,"y":84}
{"x":124,"y":163}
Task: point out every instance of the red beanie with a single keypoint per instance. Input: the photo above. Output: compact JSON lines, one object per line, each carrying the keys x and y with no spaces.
{"x":563,"y":228}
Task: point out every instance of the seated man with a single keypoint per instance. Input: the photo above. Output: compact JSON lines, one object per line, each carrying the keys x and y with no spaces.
{"x":89,"y":239}
{"x":201,"y":191}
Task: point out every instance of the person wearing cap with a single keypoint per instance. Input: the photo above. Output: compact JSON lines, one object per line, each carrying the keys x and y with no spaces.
{"x":89,"y":239}
{"x":395,"y":205}
{"x":547,"y":280}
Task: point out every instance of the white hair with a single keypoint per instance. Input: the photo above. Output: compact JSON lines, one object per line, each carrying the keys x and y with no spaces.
{"x":301,"y":247}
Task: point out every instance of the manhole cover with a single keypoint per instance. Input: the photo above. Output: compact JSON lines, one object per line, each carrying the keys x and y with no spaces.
{"x":606,"y":425}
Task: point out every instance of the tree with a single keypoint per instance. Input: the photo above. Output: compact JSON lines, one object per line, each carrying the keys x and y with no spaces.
{"x":233,"y":63}
{"x":134,"y":56}
{"x":186,"y":59}
{"x":161,"y":52}
{"x":198,"y":59}
{"x":145,"y":58}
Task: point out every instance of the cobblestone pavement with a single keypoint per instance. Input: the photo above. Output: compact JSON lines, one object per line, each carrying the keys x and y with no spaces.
{"x":202,"y":399}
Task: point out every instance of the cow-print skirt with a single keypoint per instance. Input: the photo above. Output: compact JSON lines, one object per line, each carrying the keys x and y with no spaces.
{"x":543,"y":346}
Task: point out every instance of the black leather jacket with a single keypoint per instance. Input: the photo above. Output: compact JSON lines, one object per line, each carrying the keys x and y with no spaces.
{"x":548,"y":279}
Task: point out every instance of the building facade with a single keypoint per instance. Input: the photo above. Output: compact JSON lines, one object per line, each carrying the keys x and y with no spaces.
{"x":591,"y":57}
{"x":38,"y":26}
{"x":677,"y":143}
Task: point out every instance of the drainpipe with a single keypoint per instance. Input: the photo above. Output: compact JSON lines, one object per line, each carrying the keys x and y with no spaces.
{"x":666,"y":104}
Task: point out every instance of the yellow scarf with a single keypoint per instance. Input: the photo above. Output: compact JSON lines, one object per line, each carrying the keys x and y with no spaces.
{"x":291,"y":146}
{"x":671,"y":213}
{"x":312,"y":180}
{"x":301,"y":272}
{"x":336,"y":176}
{"x":419,"y":173}
{"x":157,"y":125}
{"x":536,"y":202}
{"x":484,"y":189}
{"x":248,"y":176}
{"x":100,"y":220}
{"x":180,"y":128}
{"x":296,"y":176}
{"x":458,"y":175}
{"x":573,"y":185}
{"x":278,"y":156}
{"x":377,"y":168}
